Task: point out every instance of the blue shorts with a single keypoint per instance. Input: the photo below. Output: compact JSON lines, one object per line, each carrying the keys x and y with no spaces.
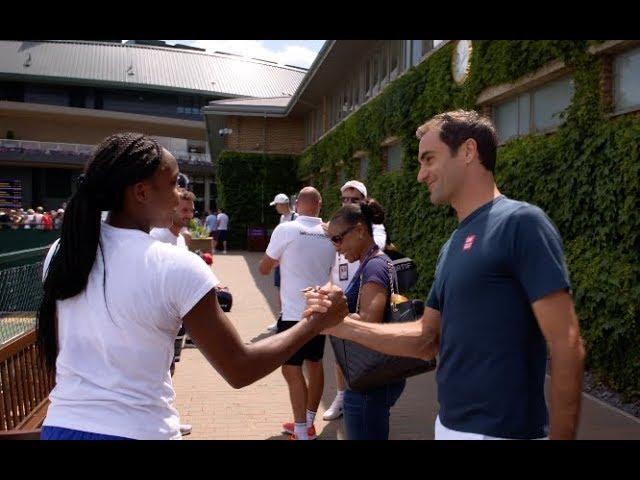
{"x":221,"y":236}
{"x":59,"y":433}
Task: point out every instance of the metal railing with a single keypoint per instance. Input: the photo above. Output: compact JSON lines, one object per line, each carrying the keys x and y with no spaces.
{"x":46,"y":147}
{"x":50,"y":148}
{"x":20,"y":296}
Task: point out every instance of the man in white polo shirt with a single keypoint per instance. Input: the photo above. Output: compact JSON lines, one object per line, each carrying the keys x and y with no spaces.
{"x":305,"y":255}
{"x":341,"y":274}
{"x":281,"y":202}
{"x":171,"y":234}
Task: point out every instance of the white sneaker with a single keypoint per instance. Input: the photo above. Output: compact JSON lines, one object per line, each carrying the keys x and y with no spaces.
{"x":185,"y":429}
{"x":273,"y":327}
{"x":335,"y":410}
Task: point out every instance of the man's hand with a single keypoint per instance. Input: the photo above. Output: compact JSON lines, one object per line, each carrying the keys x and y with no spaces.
{"x":317,"y":299}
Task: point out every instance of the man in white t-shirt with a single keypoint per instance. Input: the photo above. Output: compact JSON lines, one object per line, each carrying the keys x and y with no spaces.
{"x":305,"y":255}
{"x":30,"y":219}
{"x":38,"y":216}
{"x":171,"y":234}
{"x":281,"y":202}
{"x":341,"y":274}
{"x":223,"y":226}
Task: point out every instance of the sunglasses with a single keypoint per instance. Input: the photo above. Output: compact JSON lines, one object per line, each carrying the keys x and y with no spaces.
{"x":337,"y":239}
{"x":183,"y":181}
{"x":351,"y":200}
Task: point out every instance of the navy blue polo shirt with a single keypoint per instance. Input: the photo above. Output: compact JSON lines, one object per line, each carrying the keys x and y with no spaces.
{"x":492,"y":358}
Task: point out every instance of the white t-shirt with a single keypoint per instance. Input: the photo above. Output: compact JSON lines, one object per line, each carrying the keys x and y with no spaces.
{"x":37,"y":220}
{"x":305,"y":254}
{"x":342,"y":271}
{"x":288,"y":217}
{"x":30,"y":221}
{"x":166,"y":235}
{"x":112,"y":369}
{"x":223,"y":221}
{"x":445,"y":433}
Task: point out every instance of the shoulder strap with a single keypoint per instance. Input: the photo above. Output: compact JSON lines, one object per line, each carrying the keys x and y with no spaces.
{"x":391,"y":282}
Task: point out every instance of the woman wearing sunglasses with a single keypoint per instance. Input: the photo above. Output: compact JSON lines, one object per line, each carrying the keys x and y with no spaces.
{"x":366,"y":414}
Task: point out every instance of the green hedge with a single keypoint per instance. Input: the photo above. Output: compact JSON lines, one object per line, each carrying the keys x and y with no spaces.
{"x":247,"y":183}
{"x":586,"y":176}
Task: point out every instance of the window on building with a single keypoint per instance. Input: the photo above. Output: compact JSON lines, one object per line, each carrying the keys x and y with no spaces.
{"x":346,"y":99}
{"x":549,"y":102}
{"x":342,"y":176}
{"x":384,"y":64}
{"x":319,"y":127}
{"x":12,"y":91}
{"x":395,"y":57}
{"x":355,"y":101}
{"x":394,"y":157}
{"x":46,"y":94}
{"x":419,"y":48}
{"x":535,"y":111}
{"x":626,"y":80}
{"x":367,"y":79}
{"x":77,"y":97}
{"x":307,"y":130}
{"x":375,"y":70}
{"x":337,"y":108}
{"x":363,"y":169}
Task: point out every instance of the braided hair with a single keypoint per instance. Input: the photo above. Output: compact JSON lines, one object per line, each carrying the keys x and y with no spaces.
{"x":121,"y":160}
{"x":368,"y":211}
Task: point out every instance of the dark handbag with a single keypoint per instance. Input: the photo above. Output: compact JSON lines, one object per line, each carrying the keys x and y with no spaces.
{"x":225,"y":299}
{"x":365,"y":369}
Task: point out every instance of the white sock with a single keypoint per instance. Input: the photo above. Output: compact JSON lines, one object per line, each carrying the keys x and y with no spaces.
{"x":340,"y":395}
{"x":311,"y":416}
{"x":300,"y":431}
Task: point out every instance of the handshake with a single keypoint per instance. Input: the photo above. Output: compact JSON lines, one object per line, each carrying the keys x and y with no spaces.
{"x":326,"y":305}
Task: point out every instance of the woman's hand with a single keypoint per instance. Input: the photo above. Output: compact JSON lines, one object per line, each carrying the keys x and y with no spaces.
{"x":326,"y":299}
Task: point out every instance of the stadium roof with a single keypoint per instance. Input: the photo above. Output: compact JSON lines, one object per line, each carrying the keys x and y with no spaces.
{"x":146,"y":67}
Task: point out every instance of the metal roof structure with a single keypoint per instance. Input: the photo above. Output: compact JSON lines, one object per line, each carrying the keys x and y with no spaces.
{"x":146,"y":67}
{"x":282,"y":106}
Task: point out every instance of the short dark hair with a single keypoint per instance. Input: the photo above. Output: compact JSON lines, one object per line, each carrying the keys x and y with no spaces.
{"x":186,"y":195}
{"x":460,"y":125}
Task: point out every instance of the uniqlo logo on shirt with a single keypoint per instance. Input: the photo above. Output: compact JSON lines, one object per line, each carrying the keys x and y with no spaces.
{"x":468,"y":243}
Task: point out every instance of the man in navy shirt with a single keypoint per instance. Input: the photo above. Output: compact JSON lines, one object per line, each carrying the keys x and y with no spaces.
{"x":501,"y":293}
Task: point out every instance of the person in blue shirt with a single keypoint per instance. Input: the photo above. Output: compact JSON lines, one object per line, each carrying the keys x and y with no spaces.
{"x":211,"y":224}
{"x":500,"y":295}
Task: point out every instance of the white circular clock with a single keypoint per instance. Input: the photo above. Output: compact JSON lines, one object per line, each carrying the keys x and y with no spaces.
{"x":461,"y":61}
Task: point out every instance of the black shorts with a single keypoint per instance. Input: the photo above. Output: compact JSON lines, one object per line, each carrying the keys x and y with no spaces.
{"x":276,"y":276}
{"x":178,"y":344}
{"x":221,"y":235}
{"x":313,"y":350}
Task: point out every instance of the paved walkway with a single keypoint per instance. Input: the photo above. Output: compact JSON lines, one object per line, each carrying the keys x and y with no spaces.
{"x":217,"y":411}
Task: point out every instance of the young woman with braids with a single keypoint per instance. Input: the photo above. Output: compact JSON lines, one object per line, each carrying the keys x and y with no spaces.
{"x":114,"y":299}
{"x":366,"y":414}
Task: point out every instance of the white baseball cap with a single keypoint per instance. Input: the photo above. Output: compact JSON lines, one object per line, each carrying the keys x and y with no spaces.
{"x":355,"y":184}
{"x":280,"y":198}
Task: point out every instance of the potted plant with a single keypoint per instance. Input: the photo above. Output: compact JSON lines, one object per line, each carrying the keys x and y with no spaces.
{"x":200,"y":239}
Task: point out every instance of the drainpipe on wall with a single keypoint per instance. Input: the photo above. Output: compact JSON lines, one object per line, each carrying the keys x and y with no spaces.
{"x":264,"y":158}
